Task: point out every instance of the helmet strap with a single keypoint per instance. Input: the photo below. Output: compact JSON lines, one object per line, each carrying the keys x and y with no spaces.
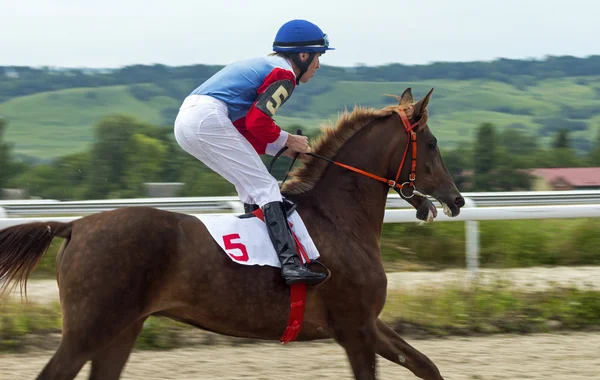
{"x":303,"y":66}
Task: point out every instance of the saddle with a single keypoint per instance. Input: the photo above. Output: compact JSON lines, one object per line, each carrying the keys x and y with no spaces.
{"x":245,"y":240}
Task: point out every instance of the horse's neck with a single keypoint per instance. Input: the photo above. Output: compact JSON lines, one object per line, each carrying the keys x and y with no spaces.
{"x":358,"y":204}
{"x":352,"y":199}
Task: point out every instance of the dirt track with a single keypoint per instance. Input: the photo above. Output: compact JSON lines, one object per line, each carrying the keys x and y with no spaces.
{"x":528,"y":278}
{"x":548,"y":357}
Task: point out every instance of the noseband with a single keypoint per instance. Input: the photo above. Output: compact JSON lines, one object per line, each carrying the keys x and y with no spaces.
{"x":412,"y":137}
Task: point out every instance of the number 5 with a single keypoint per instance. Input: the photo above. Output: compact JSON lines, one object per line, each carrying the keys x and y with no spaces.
{"x":277,"y":99}
{"x":229,"y":244}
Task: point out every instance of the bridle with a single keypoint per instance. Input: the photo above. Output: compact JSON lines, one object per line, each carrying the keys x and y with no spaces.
{"x":392,"y":183}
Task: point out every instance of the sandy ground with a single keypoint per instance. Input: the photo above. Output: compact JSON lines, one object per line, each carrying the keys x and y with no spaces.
{"x":565,"y":357}
{"x":535,"y":278}
{"x":527,"y":278}
{"x":548,"y":357}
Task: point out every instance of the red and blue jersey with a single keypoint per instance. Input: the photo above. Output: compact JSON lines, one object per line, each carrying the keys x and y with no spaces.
{"x":253,"y":90}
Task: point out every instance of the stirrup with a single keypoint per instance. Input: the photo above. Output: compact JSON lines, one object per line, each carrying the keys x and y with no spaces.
{"x":326,"y":272}
{"x":289,"y":207}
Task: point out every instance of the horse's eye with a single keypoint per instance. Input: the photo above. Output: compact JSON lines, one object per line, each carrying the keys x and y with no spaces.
{"x":431,"y":144}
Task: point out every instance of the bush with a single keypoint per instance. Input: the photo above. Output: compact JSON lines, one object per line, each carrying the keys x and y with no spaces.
{"x":496,"y":308}
{"x":17,"y":320}
{"x":158,"y":333}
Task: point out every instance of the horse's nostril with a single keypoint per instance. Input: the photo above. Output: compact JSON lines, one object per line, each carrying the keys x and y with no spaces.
{"x":459,"y":201}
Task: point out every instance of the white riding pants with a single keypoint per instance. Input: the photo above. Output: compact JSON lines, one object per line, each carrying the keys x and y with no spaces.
{"x":204,"y":130}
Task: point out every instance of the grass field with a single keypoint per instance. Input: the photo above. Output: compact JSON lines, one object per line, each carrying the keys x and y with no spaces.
{"x":52,"y":124}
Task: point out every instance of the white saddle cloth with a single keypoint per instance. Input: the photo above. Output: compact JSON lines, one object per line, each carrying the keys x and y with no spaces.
{"x":246,"y":240}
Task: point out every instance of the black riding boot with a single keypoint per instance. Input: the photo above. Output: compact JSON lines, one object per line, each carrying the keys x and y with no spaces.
{"x":292,"y":269}
{"x":248,"y":208}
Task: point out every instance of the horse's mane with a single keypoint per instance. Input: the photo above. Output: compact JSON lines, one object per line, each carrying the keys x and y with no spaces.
{"x":305,"y":177}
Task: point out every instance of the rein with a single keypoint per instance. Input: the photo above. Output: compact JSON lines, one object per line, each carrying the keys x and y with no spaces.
{"x":392,"y":183}
{"x":298,"y":132}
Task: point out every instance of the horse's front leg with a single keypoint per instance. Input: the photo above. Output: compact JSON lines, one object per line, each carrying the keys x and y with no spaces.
{"x":359,"y":343}
{"x":392,"y":347}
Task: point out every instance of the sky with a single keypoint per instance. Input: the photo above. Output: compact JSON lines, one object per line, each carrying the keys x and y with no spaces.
{"x":117,"y":33}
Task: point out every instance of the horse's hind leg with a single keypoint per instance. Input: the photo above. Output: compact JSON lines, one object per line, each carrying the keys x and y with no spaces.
{"x":108,"y":363}
{"x":89,"y":326}
{"x":107,"y":348}
{"x":64,"y":365}
{"x":392,"y":347}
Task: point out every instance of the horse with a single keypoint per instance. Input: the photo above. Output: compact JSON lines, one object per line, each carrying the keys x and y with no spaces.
{"x":118,"y":267}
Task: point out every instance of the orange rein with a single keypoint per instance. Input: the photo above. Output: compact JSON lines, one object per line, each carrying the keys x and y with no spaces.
{"x":392,"y":183}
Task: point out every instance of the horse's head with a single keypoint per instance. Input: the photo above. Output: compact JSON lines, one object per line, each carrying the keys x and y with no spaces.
{"x":430,"y":176}
{"x":376,"y":143}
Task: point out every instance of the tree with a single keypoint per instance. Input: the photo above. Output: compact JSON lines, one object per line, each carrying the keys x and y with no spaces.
{"x":201,"y":181}
{"x":43,"y":181}
{"x":562,"y":155}
{"x":457,"y":162}
{"x":144,"y":164}
{"x":175,"y":158}
{"x":108,"y":156}
{"x":485,"y":157}
{"x":562,"y":140}
{"x":518,"y":143}
{"x":64,"y":179}
{"x":75,"y":168}
{"x":5,"y":148}
{"x":594,"y":157}
{"x":558,"y":158}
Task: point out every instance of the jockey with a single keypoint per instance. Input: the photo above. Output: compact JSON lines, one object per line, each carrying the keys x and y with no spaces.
{"x":227,"y":123}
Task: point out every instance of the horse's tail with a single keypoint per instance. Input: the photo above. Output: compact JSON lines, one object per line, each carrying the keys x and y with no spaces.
{"x":22,"y":247}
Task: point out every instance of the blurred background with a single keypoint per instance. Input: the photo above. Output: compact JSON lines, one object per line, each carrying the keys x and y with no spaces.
{"x":89,"y":93}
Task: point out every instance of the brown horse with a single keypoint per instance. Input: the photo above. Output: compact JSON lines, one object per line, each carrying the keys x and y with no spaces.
{"x":117,"y":268}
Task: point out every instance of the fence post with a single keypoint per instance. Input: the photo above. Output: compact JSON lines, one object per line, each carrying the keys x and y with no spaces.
{"x":3,"y":213}
{"x":472,"y":242}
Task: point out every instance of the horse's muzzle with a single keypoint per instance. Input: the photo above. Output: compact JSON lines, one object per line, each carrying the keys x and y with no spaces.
{"x":459,"y":201}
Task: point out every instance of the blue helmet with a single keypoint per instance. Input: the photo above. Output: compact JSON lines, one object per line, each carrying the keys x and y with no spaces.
{"x":300,"y":36}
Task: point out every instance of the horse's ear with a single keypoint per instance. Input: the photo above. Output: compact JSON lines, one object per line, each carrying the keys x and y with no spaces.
{"x":407,"y":97}
{"x":421,"y":105}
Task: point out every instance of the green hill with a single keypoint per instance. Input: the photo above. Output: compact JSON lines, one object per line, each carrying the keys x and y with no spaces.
{"x":54,"y":123}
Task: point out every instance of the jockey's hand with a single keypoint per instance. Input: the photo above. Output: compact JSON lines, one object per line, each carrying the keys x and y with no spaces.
{"x":297,"y":144}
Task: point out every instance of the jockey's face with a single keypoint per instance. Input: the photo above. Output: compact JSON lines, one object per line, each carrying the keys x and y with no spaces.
{"x":314,"y":65}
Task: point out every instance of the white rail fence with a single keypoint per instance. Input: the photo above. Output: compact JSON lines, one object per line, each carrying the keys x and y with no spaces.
{"x":543,"y":205}
{"x":192,"y":205}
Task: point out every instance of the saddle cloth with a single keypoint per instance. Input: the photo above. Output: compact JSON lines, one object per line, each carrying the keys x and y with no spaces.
{"x":246,"y":240}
